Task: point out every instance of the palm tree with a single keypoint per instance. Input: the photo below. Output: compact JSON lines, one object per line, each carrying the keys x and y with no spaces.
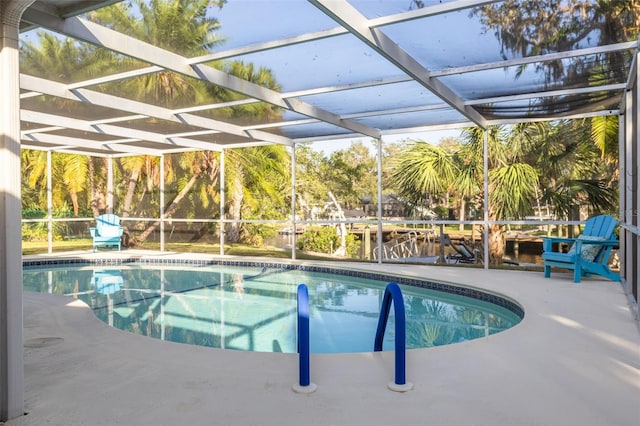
{"x":73,"y":173}
{"x":570,"y":24}
{"x":425,"y":169}
{"x":258,"y":185}
{"x":177,"y":25}
{"x":209,"y":165}
{"x":186,"y":27}
{"x":141,"y":169}
{"x":575,"y":171}
{"x":67,"y":61}
{"x":69,"y":177}
{"x":512,"y":181}
{"x":422,"y":169}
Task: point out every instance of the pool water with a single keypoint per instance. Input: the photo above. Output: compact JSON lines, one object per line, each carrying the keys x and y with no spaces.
{"x":254,"y":308}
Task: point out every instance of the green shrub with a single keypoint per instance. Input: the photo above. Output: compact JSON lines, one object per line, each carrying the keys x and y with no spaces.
{"x":255,"y":234}
{"x":34,"y":231}
{"x":325,"y":239}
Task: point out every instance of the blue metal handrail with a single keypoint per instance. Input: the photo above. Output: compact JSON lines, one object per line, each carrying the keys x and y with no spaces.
{"x":303,"y":334}
{"x":304,"y":385}
{"x":392,"y":293}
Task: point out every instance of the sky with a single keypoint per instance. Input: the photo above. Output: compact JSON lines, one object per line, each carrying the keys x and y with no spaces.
{"x":434,"y":137}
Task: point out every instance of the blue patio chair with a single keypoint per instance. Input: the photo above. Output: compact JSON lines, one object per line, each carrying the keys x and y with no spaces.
{"x":588,"y":254}
{"x":107,"y":232}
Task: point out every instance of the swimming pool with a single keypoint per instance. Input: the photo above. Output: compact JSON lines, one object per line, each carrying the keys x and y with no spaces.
{"x":252,"y":305}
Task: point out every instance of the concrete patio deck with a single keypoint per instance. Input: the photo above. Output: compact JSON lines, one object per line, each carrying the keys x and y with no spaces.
{"x":573,"y":360}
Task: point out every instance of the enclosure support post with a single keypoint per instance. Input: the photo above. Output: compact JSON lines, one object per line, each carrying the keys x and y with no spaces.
{"x":162,"y":202}
{"x":367,"y":243}
{"x":485,"y":207}
{"x":293,"y":202}
{"x":110,"y":185}
{"x":11,"y":324}
{"x":222,"y":189}
{"x":379,"y":233}
{"x":49,"y":205}
{"x":629,"y":161}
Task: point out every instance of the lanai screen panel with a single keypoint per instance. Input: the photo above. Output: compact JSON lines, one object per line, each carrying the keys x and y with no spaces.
{"x":335,"y":69}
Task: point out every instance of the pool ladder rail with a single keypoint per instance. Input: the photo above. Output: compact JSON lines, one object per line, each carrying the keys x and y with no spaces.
{"x":304,"y":384}
{"x":392,"y":294}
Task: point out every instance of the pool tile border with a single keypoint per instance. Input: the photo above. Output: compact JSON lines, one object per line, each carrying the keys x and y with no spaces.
{"x":416,"y":282}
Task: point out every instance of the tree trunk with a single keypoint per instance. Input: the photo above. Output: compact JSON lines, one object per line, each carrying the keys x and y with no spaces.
{"x":342,"y":229}
{"x":207,"y":167}
{"x":462,"y":211}
{"x":232,"y":230}
{"x":94,"y":203}
{"x":74,"y":201}
{"x":496,"y":245}
{"x":131,"y":188}
{"x":169,"y":211}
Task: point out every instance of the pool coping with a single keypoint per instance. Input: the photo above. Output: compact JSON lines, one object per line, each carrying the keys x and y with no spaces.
{"x":573,"y":359}
{"x":446,"y":287}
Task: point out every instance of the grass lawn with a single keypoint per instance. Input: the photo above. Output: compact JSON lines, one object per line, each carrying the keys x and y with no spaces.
{"x":81,"y":244}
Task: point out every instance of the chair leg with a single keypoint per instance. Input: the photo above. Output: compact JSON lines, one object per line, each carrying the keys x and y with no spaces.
{"x":547,"y":271}
{"x":577,"y":273}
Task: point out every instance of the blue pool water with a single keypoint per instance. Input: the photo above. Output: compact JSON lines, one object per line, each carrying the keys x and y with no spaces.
{"x":253,"y":308}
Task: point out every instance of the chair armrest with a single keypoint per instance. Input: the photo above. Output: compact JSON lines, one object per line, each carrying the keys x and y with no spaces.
{"x":559,"y":239}
{"x":547,"y":242}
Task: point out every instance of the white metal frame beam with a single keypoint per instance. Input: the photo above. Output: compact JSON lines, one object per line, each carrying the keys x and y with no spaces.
{"x":118,"y":103}
{"x":71,"y":144}
{"x":108,"y":129}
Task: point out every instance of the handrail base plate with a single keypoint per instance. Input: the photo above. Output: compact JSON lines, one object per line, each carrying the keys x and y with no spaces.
{"x":400,"y":388}
{"x":310,"y":388}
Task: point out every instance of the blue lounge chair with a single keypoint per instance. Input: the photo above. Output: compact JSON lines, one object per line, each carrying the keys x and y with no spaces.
{"x":107,"y":232}
{"x":588,"y":254}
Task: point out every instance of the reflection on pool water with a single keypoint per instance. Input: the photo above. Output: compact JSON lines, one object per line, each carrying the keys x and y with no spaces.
{"x":253,"y":308}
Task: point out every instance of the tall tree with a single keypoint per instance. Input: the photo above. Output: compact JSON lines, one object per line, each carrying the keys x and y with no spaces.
{"x":66,"y":61}
{"x":527,"y":28}
{"x":311,"y":188}
{"x":512,"y":181}
{"x":573,"y":173}
{"x":422,"y":170}
{"x":351,"y":174}
{"x":69,"y":177}
{"x":179,"y":26}
{"x":259,"y":185}
{"x":188,"y":28}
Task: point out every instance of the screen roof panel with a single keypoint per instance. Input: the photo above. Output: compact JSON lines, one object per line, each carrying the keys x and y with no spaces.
{"x":293,"y":71}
